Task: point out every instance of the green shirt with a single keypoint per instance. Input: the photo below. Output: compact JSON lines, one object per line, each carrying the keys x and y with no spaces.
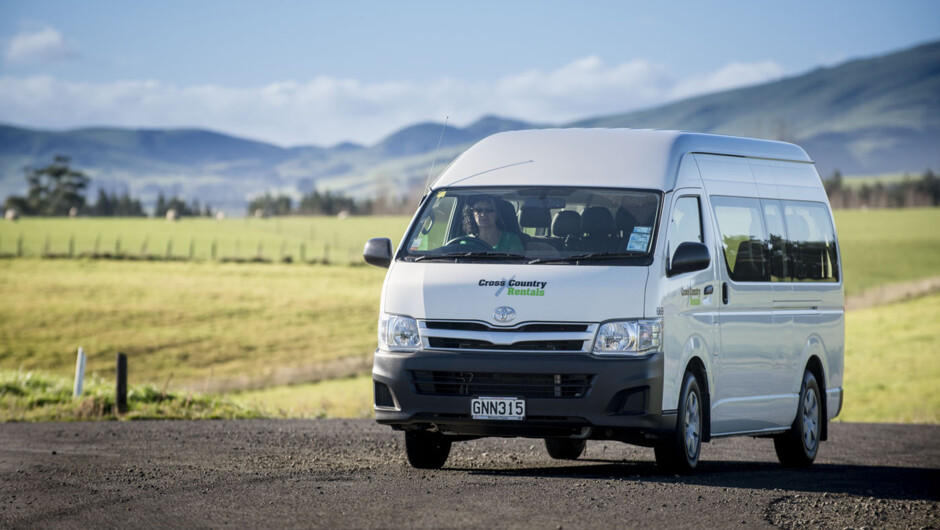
{"x":509,"y":241}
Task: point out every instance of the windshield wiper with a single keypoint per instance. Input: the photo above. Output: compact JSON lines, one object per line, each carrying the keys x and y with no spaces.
{"x":592,"y":256}
{"x":472,"y":255}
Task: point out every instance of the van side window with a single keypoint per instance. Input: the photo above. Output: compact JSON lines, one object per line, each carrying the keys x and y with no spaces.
{"x":777,"y":239}
{"x":686,"y":223}
{"x":742,"y":236}
{"x":435,"y":227}
{"x":812,"y":242}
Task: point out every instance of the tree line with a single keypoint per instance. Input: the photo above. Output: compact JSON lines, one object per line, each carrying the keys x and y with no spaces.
{"x":58,"y":190}
{"x":909,"y":192}
{"x":328,"y":203}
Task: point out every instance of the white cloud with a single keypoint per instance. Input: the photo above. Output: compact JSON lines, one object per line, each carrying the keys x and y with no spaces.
{"x":42,"y":45}
{"x":327,"y":110}
{"x":732,"y":75}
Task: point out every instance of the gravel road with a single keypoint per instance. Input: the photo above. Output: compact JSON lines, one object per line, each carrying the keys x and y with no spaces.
{"x":352,"y":473}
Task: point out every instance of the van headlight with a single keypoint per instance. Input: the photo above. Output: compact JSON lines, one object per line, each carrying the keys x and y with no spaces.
{"x":629,"y":337}
{"x":398,"y":333}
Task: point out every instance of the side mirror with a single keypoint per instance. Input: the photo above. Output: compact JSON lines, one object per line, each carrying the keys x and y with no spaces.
{"x":689,"y":257}
{"x":378,"y":252}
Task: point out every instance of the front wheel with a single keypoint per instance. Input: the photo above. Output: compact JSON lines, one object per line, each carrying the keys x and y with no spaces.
{"x":798,"y":446}
{"x":564,"y":448}
{"x":679,"y":452}
{"x":426,"y":450}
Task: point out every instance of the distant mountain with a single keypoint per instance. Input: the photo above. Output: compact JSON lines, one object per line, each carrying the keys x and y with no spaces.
{"x":872,"y":115}
{"x":866,"y":116}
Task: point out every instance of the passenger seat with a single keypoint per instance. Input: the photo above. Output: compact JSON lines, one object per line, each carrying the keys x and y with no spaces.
{"x":567,"y":227}
{"x":598,"y":225}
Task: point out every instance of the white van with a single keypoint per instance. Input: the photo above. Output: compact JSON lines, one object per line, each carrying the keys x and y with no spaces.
{"x":659,"y":288}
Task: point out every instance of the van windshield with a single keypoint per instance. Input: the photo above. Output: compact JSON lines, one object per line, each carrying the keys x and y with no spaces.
{"x":536,"y":225}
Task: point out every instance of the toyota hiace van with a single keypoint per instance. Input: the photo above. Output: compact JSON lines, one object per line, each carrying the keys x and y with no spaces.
{"x":658,"y":288}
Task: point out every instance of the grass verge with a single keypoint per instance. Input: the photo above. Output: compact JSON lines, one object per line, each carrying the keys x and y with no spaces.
{"x":35,"y":396}
{"x":349,"y":397}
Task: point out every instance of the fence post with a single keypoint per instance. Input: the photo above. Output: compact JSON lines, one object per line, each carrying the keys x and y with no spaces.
{"x":259,"y":251}
{"x":79,"y":373}
{"x":303,"y":253}
{"x":192,"y":249}
{"x":117,"y":247}
{"x":169,"y":249}
{"x":213,"y":249}
{"x":19,"y":246}
{"x":97,"y":242}
{"x":45,"y":248}
{"x":120,"y":400}
{"x":72,"y":246}
{"x":143,"y":247}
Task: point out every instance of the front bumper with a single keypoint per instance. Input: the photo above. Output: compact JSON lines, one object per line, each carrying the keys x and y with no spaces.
{"x":623,"y":402}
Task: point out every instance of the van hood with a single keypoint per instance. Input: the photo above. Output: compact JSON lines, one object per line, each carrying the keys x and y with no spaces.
{"x":544,"y":293}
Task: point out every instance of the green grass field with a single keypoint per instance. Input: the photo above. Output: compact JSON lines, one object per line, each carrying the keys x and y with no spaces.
{"x":224,"y":326}
{"x":891,"y":368}
{"x":881,"y":247}
{"x":208,"y":326}
{"x":302,"y":238}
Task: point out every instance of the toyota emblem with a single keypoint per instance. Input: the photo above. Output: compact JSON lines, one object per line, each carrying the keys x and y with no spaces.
{"x":504,"y":314}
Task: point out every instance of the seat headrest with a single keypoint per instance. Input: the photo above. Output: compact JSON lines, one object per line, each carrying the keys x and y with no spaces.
{"x":597,"y":221}
{"x":625,"y":221}
{"x":507,"y":216}
{"x":566,"y":224}
{"x":535,"y":217}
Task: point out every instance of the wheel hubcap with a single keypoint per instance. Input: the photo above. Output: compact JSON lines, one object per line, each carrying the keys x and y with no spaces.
{"x":692,"y":425}
{"x":810,"y":420}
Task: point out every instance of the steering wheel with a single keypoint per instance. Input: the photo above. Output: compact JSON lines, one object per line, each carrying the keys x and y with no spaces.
{"x":474,"y":241}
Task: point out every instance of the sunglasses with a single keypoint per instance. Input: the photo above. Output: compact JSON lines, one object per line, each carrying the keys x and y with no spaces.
{"x":483,"y":210}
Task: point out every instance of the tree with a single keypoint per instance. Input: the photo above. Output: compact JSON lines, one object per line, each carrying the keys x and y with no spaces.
{"x":270,"y":205}
{"x":52,"y":190}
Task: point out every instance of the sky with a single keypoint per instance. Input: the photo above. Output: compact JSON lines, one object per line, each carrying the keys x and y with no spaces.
{"x":323,"y":72}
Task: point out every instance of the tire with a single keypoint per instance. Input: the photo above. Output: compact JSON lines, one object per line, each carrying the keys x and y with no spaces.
{"x":679,"y":453}
{"x":564,"y":448}
{"x":426,"y":450}
{"x":798,"y":446}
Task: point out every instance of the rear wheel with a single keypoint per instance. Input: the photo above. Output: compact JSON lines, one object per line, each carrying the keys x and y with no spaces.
{"x":564,"y":448}
{"x":798,"y":446}
{"x":679,"y":452}
{"x":426,"y":449}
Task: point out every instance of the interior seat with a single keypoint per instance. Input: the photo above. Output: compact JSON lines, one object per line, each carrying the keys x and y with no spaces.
{"x":598,"y":225}
{"x":567,"y":227}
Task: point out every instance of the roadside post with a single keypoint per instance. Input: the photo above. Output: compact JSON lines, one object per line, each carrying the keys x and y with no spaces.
{"x":120,"y":400}
{"x":79,"y":373}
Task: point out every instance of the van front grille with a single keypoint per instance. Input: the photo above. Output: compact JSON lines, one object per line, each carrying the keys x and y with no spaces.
{"x":528,"y":336}
{"x":545,"y":345}
{"x":526,"y":328}
{"x":562,"y":386}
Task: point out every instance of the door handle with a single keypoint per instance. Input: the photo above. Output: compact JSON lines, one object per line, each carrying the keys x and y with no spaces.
{"x":724,"y":292}
{"x":709,"y":289}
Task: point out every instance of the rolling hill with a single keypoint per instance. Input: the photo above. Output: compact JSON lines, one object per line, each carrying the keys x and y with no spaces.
{"x":866,"y":116}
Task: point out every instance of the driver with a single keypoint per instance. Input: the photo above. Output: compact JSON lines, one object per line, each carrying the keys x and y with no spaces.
{"x":481,"y":220}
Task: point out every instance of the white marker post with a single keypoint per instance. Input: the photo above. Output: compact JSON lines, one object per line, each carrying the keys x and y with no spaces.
{"x":79,"y":373}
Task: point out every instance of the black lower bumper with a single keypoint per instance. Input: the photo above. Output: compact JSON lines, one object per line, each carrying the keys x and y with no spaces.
{"x":623,"y":401}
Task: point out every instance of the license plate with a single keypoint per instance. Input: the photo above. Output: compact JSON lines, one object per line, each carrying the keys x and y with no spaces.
{"x":497,"y":408}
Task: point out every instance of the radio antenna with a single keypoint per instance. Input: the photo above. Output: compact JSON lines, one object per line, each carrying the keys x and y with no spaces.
{"x":434,"y":160}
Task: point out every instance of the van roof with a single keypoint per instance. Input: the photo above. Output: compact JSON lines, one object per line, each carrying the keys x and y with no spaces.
{"x":634,"y":158}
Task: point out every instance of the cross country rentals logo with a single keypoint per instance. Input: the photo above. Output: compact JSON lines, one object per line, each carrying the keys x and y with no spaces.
{"x":514,"y":287}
